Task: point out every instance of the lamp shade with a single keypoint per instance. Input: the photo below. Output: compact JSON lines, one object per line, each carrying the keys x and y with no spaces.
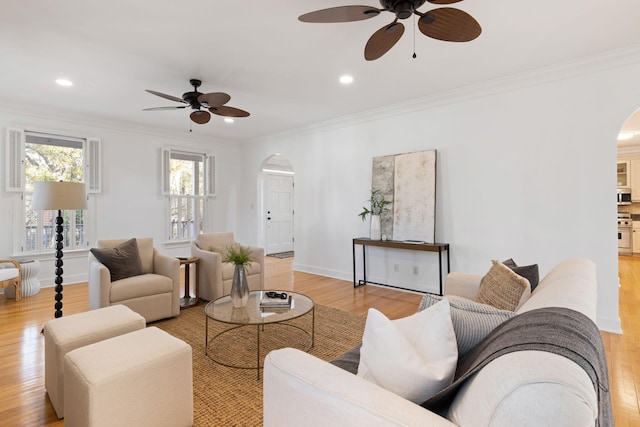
{"x":57,"y":195}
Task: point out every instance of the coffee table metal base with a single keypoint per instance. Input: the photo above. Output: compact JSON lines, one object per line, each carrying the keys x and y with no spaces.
{"x":259,"y":330}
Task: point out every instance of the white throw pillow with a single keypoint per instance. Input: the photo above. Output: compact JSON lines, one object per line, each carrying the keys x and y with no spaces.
{"x":414,"y":357}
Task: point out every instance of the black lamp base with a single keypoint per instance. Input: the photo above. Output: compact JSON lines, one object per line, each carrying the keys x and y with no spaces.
{"x":58,"y":280}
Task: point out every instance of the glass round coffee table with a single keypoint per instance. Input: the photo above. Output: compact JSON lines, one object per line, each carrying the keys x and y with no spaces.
{"x":253,"y":315}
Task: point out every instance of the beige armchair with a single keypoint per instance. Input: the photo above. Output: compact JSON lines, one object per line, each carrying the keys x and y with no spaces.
{"x":11,"y":275}
{"x":216,"y":276}
{"x":154,"y":294}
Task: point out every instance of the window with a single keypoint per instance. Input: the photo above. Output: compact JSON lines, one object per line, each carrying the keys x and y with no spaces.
{"x":33,"y":157}
{"x":188,"y":180}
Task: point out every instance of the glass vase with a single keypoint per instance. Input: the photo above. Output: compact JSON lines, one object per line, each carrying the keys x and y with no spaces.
{"x":239,"y":287}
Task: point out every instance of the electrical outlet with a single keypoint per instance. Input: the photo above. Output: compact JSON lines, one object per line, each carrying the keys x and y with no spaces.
{"x":415,"y":270}
{"x":396,"y":267}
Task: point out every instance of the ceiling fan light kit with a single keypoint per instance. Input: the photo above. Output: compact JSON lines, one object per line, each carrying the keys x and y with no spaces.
{"x":444,"y":23}
{"x":214,"y":102}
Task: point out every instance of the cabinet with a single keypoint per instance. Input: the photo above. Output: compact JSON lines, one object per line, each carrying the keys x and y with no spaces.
{"x":635,"y":237}
{"x":634,"y":180}
{"x":624,"y":175}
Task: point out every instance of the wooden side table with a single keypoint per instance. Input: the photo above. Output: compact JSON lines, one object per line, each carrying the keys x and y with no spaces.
{"x":187,"y":300}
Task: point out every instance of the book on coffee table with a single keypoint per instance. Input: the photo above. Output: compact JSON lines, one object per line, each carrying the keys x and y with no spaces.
{"x":275,"y":302}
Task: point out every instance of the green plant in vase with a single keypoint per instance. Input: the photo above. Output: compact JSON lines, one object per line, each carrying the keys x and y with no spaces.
{"x":378,"y":205}
{"x":240,"y":256}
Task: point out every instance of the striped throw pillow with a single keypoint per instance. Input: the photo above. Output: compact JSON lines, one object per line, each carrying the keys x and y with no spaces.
{"x":471,"y":320}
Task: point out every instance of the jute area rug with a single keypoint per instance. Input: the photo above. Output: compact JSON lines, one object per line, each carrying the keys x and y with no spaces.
{"x":226,"y":396}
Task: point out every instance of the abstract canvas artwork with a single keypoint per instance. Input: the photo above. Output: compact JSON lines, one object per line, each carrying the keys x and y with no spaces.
{"x":408,"y":180}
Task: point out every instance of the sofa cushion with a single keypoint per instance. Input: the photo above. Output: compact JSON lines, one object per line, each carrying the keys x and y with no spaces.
{"x":414,"y":357}
{"x":471,"y":320}
{"x":569,"y":284}
{"x":145,"y":250}
{"x":140,"y":286}
{"x":222,"y":250}
{"x":9,"y":273}
{"x":529,"y":272}
{"x":122,"y":260}
{"x":502,"y":288}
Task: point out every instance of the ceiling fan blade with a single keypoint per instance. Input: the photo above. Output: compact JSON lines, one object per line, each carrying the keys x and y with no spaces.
{"x":214,"y":99}
{"x":228,"y":111}
{"x":169,"y":97}
{"x":200,"y":117}
{"x":340,"y":14}
{"x":443,"y":1}
{"x":449,"y":24}
{"x":383,"y":40}
{"x":165,"y":108}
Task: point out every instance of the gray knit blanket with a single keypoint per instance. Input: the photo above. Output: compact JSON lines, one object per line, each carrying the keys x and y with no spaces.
{"x":557,"y":330}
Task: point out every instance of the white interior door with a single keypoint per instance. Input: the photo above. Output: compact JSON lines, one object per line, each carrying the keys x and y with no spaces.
{"x":279,"y":213}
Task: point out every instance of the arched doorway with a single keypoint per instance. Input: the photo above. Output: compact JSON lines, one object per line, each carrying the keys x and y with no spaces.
{"x":276,"y":210}
{"x":628,"y":183}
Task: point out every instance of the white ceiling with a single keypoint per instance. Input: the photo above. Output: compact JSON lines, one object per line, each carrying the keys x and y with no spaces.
{"x":284,"y":72}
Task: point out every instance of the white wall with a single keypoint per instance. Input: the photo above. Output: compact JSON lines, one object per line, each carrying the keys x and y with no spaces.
{"x":526,"y":170}
{"x":130,"y":203}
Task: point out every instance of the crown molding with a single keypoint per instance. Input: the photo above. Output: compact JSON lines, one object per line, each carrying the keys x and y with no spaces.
{"x":92,"y":121}
{"x":563,"y":71}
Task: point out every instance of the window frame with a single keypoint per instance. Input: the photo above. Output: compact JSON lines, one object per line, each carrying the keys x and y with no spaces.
{"x":208,"y":188}
{"x":15,"y":182}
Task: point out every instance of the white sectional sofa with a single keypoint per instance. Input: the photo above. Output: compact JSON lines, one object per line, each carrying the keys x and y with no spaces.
{"x":524,"y":388}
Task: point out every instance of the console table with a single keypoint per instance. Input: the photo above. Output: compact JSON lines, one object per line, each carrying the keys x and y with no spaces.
{"x":396,"y":244}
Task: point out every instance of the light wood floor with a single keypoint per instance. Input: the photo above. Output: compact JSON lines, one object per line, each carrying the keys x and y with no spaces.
{"x":23,"y":400}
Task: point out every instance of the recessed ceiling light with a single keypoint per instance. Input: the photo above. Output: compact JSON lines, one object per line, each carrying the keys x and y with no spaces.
{"x":64,"y":82}
{"x":346,"y":79}
{"x":623,"y":136}
{"x":228,"y":120}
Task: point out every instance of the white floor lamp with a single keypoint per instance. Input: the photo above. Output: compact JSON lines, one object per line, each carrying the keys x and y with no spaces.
{"x":58,"y":195}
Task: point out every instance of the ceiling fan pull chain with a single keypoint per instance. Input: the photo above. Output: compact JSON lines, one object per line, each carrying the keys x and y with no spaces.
{"x":414,"y":36}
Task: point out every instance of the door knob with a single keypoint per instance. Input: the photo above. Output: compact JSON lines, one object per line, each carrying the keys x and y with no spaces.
{"x":269,"y":217}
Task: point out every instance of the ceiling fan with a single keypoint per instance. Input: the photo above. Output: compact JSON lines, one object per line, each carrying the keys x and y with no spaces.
{"x":213,"y":102}
{"x":444,"y":23}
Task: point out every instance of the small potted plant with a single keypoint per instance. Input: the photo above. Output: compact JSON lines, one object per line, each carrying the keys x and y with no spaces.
{"x":378,"y":206}
{"x":240,"y":256}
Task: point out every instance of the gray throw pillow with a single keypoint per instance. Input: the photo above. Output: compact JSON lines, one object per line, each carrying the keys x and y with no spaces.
{"x":122,"y":261}
{"x":471,"y":320}
{"x":529,"y":272}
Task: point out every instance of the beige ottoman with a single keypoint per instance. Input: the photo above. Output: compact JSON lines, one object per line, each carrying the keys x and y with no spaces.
{"x":67,"y":333}
{"x":142,"y":378}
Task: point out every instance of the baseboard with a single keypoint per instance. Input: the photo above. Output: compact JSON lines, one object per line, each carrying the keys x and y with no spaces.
{"x":373,"y":280}
{"x":334,"y":274}
{"x":70,"y":279}
{"x":610,"y":325}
